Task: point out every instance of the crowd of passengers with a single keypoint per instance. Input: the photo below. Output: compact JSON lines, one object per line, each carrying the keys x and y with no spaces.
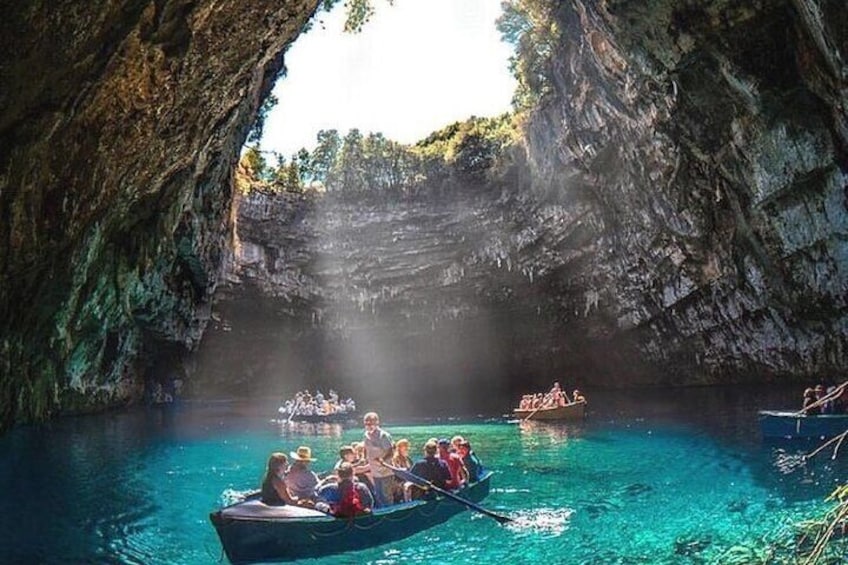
{"x":363,"y":477}
{"x":551,"y":399}
{"x":819,"y":400}
{"x":305,"y":403}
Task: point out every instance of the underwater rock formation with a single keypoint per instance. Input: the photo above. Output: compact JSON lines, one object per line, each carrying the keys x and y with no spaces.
{"x":120,"y":125}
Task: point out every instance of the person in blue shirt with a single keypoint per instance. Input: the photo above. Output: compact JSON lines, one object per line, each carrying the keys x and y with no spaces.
{"x":430,"y":468}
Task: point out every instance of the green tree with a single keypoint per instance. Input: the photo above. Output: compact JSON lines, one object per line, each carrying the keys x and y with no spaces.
{"x":323,"y":158}
{"x":530,"y":26}
{"x":255,"y":161}
{"x":254,"y":136}
{"x":349,"y":172}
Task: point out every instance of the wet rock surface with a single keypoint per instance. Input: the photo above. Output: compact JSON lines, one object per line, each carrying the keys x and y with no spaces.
{"x":120,"y":124}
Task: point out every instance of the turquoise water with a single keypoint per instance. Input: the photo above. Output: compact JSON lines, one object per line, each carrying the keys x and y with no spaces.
{"x":636,"y":483}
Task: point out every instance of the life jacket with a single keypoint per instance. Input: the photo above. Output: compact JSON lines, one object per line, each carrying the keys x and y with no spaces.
{"x":349,"y":502}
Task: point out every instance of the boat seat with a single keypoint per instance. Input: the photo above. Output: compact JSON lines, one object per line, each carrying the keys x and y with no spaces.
{"x":253,"y":509}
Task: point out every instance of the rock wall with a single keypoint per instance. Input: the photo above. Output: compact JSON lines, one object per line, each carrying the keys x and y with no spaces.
{"x":687,"y":222}
{"x":377,"y":297}
{"x":702,"y":147}
{"x":120,"y":124}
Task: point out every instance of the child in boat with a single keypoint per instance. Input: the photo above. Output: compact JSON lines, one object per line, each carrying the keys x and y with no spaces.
{"x":274,"y":491}
{"x":354,"y":497}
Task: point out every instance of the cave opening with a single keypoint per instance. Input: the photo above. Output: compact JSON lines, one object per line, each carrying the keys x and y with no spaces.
{"x":378,"y":260}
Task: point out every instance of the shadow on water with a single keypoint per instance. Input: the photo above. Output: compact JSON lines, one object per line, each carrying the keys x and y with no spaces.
{"x":68,"y":480}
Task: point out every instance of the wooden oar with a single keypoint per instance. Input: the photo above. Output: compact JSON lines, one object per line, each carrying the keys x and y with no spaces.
{"x":422,"y":482}
{"x":530,"y":415}
{"x":293,"y":412}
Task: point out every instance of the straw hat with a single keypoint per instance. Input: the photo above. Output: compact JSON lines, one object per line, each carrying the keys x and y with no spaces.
{"x":303,"y":453}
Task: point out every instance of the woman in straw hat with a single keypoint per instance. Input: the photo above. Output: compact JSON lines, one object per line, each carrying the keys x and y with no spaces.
{"x":301,"y":480}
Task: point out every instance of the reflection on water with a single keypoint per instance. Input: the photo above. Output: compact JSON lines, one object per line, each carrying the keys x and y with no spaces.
{"x":292,"y":429}
{"x":555,"y":432}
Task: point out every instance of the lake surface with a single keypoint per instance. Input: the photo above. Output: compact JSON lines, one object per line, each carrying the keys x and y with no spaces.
{"x":649,"y":477}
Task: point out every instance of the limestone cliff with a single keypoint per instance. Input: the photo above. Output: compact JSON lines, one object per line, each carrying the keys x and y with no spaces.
{"x":687,"y":222}
{"x":120,"y":124}
{"x":703,"y":149}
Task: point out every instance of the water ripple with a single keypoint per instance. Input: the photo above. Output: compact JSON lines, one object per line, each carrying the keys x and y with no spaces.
{"x":550,"y":521}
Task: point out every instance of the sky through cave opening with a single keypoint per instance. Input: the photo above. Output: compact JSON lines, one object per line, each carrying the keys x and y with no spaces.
{"x":416,"y":66}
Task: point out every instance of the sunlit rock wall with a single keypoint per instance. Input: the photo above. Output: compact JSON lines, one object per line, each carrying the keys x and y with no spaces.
{"x":120,"y":124}
{"x":701,"y":148}
{"x":380,"y":298}
{"x":686,"y":224}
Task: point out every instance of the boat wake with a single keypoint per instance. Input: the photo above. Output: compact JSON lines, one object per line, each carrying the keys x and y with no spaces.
{"x":231,"y":496}
{"x":549,"y":521}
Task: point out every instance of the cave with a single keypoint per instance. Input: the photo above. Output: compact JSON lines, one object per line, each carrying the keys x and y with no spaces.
{"x":680,"y":217}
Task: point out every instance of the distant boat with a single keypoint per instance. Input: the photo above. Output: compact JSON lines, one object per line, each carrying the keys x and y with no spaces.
{"x":252,"y":531}
{"x":334,"y":418}
{"x":791,"y":425}
{"x":572,"y":411}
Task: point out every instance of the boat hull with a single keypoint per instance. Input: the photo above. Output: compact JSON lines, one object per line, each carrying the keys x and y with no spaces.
{"x":250,"y":539}
{"x":791,"y":425}
{"x":573,"y":411}
{"x":336,"y":418}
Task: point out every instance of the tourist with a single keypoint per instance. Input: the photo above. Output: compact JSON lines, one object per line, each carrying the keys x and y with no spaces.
{"x":346,"y":455}
{"x":471,"y":461}
{"x":273,"y":490}
{"x":401,"y":455}
{"x":559,"y":397}
{"x":304,"y":404}
{"x":577,"y":396}
{"x":400,"y":460}
{"x":431,"y":469}
{"x":810,"y":399}
{"x":354,"y":498}
{"x":458,"y":473}
{"x":301,"y":480}
{"x":378,"y":449}
{"x":455,"y":442}
{"x":361,"y":468}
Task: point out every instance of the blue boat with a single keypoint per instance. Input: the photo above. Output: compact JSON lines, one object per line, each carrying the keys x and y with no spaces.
{"x":794,"y":425}
{"x":252,"y":531}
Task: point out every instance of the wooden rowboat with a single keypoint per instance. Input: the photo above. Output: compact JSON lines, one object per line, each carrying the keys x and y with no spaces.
{"x":251,"y":531}
{"x":573,"y":411}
